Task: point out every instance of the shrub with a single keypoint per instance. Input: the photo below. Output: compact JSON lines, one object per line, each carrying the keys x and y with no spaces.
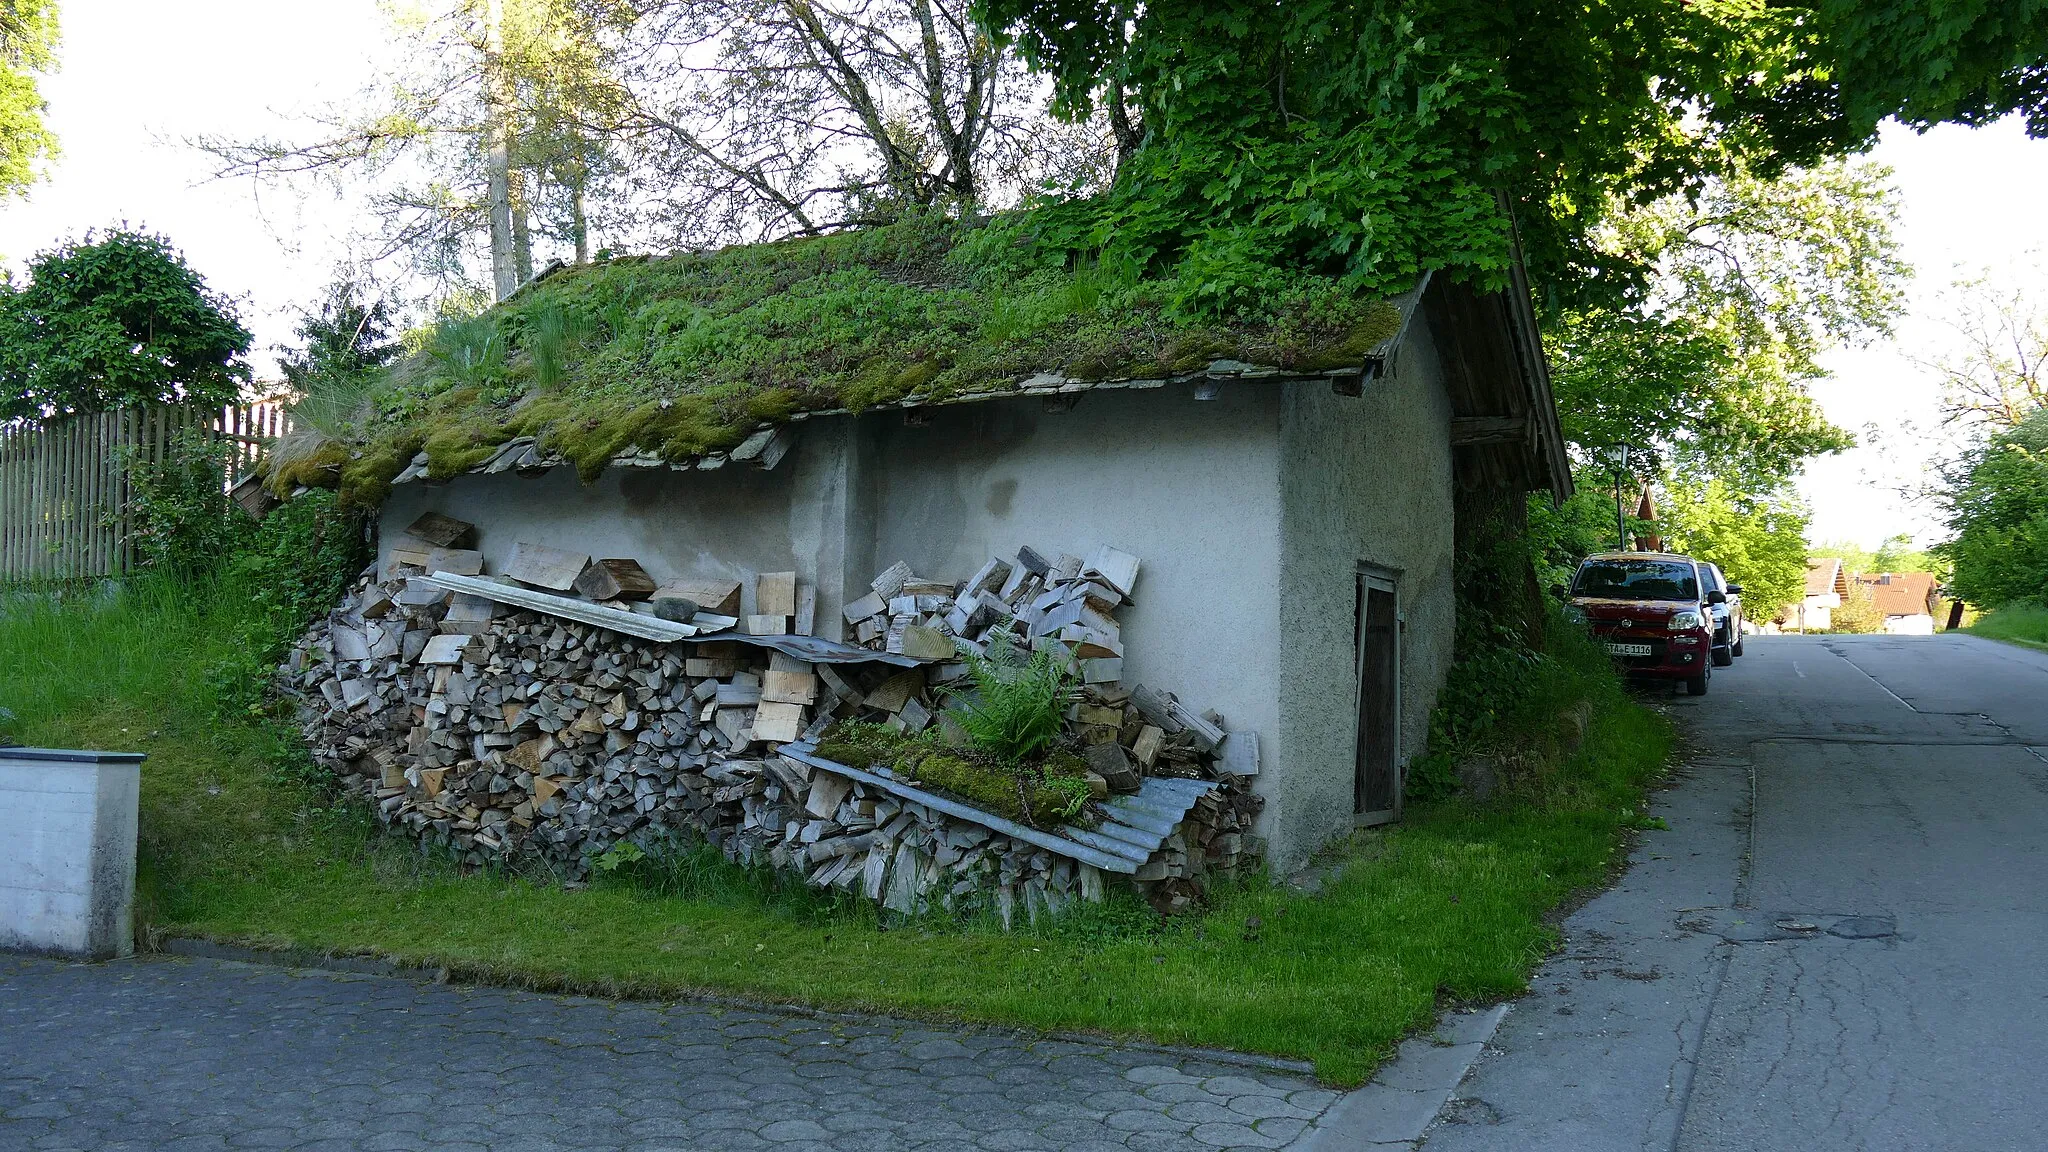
{"x":184,"y":522}
{"x":1857,"y":613}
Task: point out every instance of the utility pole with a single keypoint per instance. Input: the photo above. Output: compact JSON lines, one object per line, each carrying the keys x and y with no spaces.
{"x":1620,"y":520}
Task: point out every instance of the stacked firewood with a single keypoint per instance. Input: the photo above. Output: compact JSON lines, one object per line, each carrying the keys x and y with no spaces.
{"x":504,"y":733}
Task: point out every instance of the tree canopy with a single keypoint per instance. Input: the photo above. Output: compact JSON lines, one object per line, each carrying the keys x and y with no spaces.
{"x":115,"y":319}
{"x":28,"y":45}
{"x":1997,"y":501}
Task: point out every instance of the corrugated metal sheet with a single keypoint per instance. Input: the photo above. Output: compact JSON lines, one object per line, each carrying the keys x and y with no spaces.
{"x":811,"y":648}
{"x":1132,"y":829}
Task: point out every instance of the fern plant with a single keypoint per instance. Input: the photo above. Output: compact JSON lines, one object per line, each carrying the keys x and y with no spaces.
{"x":1014,"y":709}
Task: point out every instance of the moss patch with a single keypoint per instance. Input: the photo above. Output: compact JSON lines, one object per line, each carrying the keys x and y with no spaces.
{"x":1045,"y":793}
{"x":687,"y":354}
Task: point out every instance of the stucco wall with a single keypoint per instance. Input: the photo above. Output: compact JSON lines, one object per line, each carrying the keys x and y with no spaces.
{"x":732,"y":522}
{"x":1189,"y":487}
{"x":1365,"y":480}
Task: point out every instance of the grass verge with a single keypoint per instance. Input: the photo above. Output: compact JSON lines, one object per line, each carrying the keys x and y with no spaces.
{"x":239,"y":845}
{"x":2024,"y":624}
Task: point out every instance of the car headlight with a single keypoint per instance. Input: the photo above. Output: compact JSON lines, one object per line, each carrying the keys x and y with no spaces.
{"x":1575,"y":614}
{"x":1686,"y":621}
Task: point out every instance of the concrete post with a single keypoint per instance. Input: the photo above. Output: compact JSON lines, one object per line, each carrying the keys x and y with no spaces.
{"x":67,"y":851}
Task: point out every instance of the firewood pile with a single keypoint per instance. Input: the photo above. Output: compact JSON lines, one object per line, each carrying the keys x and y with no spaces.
{"x":506,"y":733}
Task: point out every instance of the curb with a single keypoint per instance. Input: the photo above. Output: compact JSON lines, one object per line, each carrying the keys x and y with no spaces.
{"x":193,"y":948}
{"x":1404,"y":1098}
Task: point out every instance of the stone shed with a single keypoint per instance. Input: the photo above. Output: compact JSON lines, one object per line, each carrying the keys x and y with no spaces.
{"x":1296,"y":525}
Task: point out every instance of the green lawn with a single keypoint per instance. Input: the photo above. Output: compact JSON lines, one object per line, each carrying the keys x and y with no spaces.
{"x":2025,"y":624}
{"x":238,"y":846}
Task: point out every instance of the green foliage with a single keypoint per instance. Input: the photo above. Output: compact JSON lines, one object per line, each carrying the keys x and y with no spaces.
{"x":1997,"y":505}
{"x":28,"y":45}
{"x":1969,"y":62}
{"x":1857,"y":614}
{"x":2025,"y":624}
{"x":1755,"y":278}
{"x":1758,"y":539}
{"x":1018,"y":701}
{"x":277,"y":573}
{"x":111,"y":320}
{"x":1366,"y":142}
{"x":469,"y":350}
{"x":344,"y":340}
{"x":1895,"y":554}
{"x":183,"y":521}
{"x":688,"y":354}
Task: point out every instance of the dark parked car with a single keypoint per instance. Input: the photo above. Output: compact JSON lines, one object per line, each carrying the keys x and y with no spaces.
{"x":1728,"y":615}
{"x":1655,"y":612}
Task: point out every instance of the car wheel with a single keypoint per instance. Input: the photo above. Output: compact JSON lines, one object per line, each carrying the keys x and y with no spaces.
{"x":1697,"y":686}
{"x":1723,"y":657}
{"x":1737,"y":650}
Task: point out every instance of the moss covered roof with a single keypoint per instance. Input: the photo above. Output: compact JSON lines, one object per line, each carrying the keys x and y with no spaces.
{"x":684,"y":357}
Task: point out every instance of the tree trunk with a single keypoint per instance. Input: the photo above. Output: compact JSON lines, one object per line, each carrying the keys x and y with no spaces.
{"x":579,"y":223}
{"x":522,"y":231}
{"x":504,"y":273}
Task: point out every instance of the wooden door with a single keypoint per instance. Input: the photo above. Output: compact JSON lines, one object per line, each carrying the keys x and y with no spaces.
{"x":1377,"y":789}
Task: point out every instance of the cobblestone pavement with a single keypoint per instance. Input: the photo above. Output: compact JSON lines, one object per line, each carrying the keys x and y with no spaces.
{"x":173,"y":1054}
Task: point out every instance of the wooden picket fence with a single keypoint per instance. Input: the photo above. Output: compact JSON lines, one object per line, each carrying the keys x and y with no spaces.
{"x":64,"y":498}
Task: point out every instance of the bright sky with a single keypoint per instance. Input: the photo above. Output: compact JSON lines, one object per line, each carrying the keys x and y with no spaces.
{"x":1972,"y":202}
{"x":141,"y":76}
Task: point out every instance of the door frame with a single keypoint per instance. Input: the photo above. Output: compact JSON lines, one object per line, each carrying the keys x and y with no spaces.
{"x":1369,"y":577}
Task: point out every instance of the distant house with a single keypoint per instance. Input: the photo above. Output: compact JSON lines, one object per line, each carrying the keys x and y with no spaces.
{"x":1826,"y":586}
{"x":1907,"y":600}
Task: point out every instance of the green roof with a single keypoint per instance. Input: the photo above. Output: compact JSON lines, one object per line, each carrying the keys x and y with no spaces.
{"x":684,"y":357}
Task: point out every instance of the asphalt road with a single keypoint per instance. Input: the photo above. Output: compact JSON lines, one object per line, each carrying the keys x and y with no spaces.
{"x":1840,"y":943}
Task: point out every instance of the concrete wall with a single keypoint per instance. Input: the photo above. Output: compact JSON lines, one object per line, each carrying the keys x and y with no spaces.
{"x":733,"y":522}
{"x":1189,"y":487}
{"x":67,"y":851}
{"x":1365,"y":480}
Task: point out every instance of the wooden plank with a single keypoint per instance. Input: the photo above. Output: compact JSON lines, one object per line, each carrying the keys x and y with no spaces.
{"x":1488,"y":430}
{"x":442,"y":531}
{"x":775,"y":594}
{"x":616,"y":578}
{"x":1117,"y":568}
{"x":446,"y":648}
{"x":540,"y":566}
{"x":711,"y":594}
{"x":789,"y":687}
{"x":459,"y":561}
{"x":779,"y":723}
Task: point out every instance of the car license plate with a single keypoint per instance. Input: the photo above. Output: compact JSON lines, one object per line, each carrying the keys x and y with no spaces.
{"x":1628,"y":649}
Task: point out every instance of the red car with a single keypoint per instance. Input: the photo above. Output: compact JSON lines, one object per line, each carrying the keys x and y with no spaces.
{"x":1653,"y":609}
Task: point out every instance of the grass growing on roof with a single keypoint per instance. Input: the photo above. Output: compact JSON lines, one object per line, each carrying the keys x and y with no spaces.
{"x":239,"y":844}
{"x":687,"y":354}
